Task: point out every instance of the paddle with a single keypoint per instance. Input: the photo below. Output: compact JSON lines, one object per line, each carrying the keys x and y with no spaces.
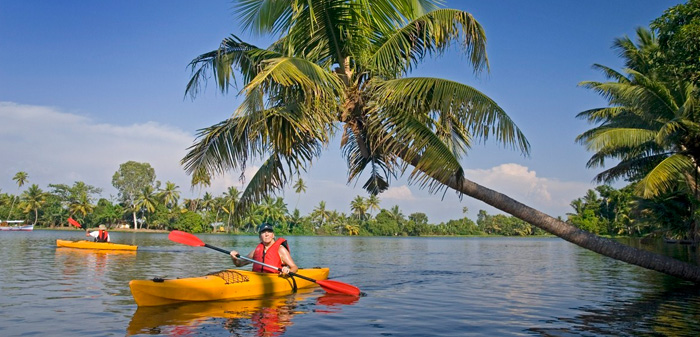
{"x":74,"y":223}
{"x":333,"y":287}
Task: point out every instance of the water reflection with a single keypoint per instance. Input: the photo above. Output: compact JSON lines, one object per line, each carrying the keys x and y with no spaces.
{"x":70,"y":260}
{"x":664,"y":313}
{"x":258,"y":317}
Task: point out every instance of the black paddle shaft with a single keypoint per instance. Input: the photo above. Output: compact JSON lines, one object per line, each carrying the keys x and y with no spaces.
{"x":258,"y":262}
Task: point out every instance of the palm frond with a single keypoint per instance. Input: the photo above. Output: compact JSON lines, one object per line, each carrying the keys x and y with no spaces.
{"x":664,"y":176}
{"x":232,"y":54}
{"x":433,"y":33}
{"x":265,"y":16}
{"x":270,"y":178}
{"x":599,"y":115}
{"x":314,"y":81}
{"x":632,"y":168}
{"x":431,"y":99}
{"x":605,"y":137}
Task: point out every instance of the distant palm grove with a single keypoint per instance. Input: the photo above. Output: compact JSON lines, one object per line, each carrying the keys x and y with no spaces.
{"x":153,"y":205}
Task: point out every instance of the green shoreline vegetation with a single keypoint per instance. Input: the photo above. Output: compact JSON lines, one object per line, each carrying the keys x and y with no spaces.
{"x":157,"y":208}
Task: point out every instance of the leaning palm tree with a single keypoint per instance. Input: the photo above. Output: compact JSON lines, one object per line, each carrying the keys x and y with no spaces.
{"x":341,"y":66}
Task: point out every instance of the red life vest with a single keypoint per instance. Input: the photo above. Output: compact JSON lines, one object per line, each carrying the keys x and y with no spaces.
{"x":102,"y":236}
{"x":271,"y":256}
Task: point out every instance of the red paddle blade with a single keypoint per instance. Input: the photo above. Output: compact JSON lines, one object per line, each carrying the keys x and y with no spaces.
{"x":335,"y":287}
{"x":185,"y":238}
{"x":74,"y":223}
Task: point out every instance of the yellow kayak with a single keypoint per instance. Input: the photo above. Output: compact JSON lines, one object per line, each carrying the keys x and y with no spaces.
{"x":85,"y":244}
{"x":232,"y":284}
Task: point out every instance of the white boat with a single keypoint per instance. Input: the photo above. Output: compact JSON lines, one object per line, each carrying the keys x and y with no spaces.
{"x":15,"y":225}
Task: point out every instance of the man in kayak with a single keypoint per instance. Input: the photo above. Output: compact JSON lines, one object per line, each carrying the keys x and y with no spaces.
{"x":269,"y":251}
{"x":100,"y":235}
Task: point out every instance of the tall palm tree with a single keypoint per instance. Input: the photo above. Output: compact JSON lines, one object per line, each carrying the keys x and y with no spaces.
{"x":20,"y":178}
{"x":231,"y":200}
{"x":33,"y":198}
{"x":373,"y":203}
{"x":207,"y":202}
{"x":359,"y":207}
{"x":299,"y":188}
{"x":146,"y":200}
{"x":652,"y":126}
{"x":343,"y":63}
{"x":320,"y":213}
{"x":170,"y":195}
{"x":200,"y":180}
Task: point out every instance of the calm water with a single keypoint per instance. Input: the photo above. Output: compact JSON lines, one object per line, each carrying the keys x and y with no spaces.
{"x":414,"y":287}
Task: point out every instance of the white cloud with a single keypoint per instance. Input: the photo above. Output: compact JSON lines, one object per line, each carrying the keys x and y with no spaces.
{"x":58,"y":147}
{"x":398,"y":193}
{"x":552,"y":196}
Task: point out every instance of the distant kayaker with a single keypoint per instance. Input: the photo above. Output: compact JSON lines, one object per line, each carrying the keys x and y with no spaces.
{"x":100,"y":235}
{"x":269,"y":251}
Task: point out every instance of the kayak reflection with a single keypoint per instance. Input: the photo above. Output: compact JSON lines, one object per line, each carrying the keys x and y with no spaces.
{"x":70,"y":260}
{"x":260,"y":317}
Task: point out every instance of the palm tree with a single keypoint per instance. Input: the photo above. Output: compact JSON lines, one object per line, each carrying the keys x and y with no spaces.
{"x":80,"y":205}
{"x":231,"y":199}
{"x":652,"y":127}
{"x":320,"y":213}
{"x":273,"y":210}
{"x":252,"y":218}
{"x":147,"y":200}
{"x":343,"y":63}
{"x":359,"y":207}
{"x":200,"y":180}
{"x":207,"y":202}
{"x":373,"y":203}
{"x":170,"y":195}
{"x":396,"y":214}
{"x":20,"y":178}
{"x":33,"y":198}
{"x":299,"y":188}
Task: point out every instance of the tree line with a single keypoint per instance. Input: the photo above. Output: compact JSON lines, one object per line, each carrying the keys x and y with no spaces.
{"x":146,"y":203}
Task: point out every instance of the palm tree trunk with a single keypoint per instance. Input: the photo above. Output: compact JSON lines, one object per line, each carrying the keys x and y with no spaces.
{"x":9,"y":215}
{"x":584,"y":239}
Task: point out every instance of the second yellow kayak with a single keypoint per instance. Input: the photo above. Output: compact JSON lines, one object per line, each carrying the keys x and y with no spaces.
{"x":229,"y":284}
{"x":85,"y":244}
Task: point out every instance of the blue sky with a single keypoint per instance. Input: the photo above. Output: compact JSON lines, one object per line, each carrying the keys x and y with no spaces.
{"x":88,"y":85}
